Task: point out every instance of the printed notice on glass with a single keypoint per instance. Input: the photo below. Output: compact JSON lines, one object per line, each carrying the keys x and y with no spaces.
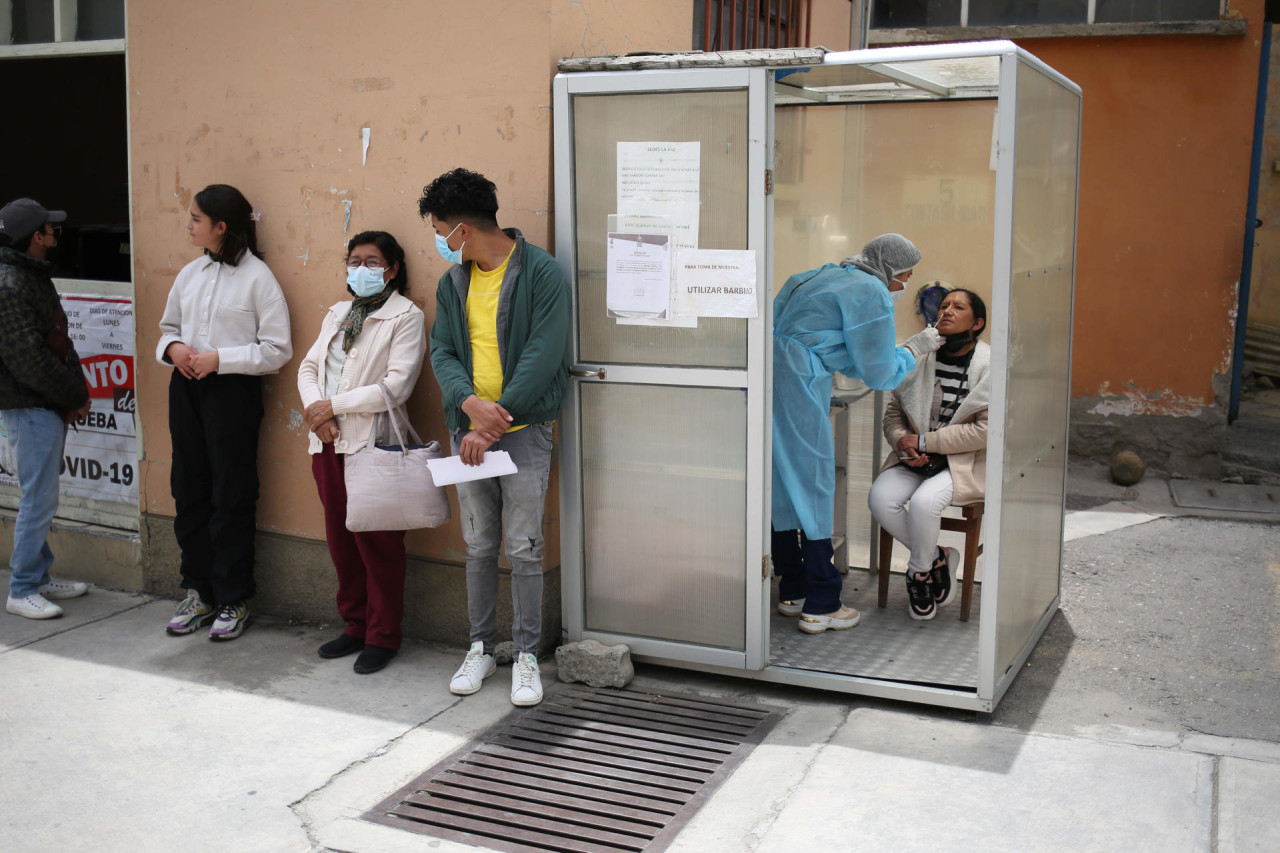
{"x":715,"y":283}
{"x":638,"y":275}
{"x":662,"y":172}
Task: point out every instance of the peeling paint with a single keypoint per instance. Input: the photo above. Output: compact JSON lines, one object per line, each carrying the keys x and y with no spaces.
{"x":1150,"y":403}
{"x":295,"y":421}
{"x":346,"y":218}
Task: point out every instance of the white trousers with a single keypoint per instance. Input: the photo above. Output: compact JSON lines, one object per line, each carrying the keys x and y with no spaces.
{"x":910,"y":507}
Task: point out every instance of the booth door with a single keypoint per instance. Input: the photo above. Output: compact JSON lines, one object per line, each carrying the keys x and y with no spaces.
{"x":663,"y":447}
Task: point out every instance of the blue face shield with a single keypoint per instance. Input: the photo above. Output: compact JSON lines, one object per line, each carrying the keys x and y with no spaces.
{"x":364,"y":281}
{"x":453,"y":256}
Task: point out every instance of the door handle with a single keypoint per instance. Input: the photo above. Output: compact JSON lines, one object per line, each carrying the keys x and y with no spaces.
{"x":586,"y":372}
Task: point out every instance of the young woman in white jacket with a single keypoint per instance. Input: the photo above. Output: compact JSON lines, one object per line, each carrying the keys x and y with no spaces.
{"x":377,"y":337}
{"x":225,"y":326}
{"x":936,"y":425}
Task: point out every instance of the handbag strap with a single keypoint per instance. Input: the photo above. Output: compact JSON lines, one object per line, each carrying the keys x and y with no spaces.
{"x":395,"y":423}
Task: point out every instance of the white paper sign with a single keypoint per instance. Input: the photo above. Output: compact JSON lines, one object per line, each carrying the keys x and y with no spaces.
{"x":451,"y":469}
{"x":664,"y":172}
{"x":101,"y":459}
{"x":638,"y":275}
{"x":715,"y":283}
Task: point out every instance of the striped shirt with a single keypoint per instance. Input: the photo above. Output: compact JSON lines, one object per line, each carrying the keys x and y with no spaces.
{"x":953,"y":373}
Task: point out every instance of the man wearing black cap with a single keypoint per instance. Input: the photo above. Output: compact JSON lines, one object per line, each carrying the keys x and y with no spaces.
{"x":42,"y":389}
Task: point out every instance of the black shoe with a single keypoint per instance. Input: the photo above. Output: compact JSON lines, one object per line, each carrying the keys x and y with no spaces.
{"x":943,"y":574}
{"x":920,"y":592}
{"x":372,"y":659}
{"x":341,"y":647}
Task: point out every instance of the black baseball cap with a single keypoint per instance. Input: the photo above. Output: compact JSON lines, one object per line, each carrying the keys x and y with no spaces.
{"x":21,"y":218}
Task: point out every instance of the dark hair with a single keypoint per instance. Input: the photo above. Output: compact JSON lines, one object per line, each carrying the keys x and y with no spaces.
{"x":390,"y":250}
{"x":223,"y":203}
{"x":461,"y":194}
{"x":977,"y":306}
{"x":22,"y":244}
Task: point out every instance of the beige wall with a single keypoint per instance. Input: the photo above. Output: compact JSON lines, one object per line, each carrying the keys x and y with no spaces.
{"x":271,"y":97}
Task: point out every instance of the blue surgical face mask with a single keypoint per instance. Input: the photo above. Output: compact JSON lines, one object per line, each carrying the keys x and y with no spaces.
{"x":453,"y":256}
{"x":364,"y":281}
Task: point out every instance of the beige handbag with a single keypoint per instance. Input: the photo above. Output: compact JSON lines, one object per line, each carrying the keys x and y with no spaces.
{"x":390,"y":487}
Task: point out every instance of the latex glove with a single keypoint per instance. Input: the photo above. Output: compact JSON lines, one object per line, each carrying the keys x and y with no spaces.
{"x":925,"y":342}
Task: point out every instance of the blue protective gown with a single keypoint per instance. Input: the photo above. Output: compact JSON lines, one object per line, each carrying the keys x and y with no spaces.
{"x":830,"y":319}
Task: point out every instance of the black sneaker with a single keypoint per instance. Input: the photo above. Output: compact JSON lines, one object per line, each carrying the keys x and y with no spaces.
{"x":920,"y":591}
{"x":943,"y":575}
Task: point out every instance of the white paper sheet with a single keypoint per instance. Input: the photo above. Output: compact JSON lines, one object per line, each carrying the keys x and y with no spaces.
{"x":638,"y":275}
{"x":715,"y":283}
{"x":451,"y":469}
{"x":665,"y":172}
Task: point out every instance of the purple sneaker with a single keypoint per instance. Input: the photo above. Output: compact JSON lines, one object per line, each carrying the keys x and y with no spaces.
{"x":230,"y":622}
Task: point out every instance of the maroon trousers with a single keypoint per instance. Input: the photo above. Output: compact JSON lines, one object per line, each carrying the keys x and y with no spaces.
{"x":370,"y":565}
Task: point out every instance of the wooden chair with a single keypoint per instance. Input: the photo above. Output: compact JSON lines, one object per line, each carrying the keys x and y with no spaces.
{"x":971,"y":526}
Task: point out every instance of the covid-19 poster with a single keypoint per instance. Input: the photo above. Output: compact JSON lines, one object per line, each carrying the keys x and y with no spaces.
{"x":101,"y":459}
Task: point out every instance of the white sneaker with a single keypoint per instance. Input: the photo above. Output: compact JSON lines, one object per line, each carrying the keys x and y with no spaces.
{"x":845,"y":617}
{"x":476,"y":667}
{"x":63,"y":589}
{"x":526,"y":681}
{"x":791,"y":608}
{"x":33,"y":606}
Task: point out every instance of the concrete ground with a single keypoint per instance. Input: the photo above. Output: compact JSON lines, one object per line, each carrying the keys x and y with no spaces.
{"x":1145,"y":720}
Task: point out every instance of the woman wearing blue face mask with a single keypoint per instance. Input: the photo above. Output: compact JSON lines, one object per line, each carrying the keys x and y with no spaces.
{"x":377,"y":337}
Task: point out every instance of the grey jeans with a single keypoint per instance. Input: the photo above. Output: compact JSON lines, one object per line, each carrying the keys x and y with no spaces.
{"x":514,"y":503}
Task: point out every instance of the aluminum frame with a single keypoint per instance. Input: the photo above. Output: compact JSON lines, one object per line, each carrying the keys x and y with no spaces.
{"x":753,"y":663}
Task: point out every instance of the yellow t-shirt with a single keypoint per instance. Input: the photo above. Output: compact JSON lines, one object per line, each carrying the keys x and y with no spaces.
{"x":482,"y":328}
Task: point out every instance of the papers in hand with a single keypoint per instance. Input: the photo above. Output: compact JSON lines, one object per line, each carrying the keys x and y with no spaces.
{"x":451,"y":469}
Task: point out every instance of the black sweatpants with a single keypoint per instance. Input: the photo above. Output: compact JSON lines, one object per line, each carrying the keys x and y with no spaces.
{"x":214,"y":424}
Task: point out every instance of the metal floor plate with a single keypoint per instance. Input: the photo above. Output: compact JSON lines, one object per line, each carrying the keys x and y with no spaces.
{"x":1207,"y":494}
{"x":590,"y":771}
{"x":887,"y":644}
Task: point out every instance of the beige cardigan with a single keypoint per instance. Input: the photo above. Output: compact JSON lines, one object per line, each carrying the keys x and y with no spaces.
{"x":390,"y":349}
{"x":964,"y":441}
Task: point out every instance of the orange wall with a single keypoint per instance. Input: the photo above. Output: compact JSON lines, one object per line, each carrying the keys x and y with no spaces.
{"x":1164,"y":172}
{"x":271,"y":97}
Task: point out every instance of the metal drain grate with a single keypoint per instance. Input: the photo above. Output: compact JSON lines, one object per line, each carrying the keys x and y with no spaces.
{"x":588,"y":771}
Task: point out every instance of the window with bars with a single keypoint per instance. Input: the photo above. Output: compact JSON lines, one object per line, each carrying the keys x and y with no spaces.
{"x":749,"y":24}
{"x":56,"y":21}
{"x":903,"y":14}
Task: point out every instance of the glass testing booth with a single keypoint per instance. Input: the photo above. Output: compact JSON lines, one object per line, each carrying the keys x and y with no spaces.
{"x":801,"y":156}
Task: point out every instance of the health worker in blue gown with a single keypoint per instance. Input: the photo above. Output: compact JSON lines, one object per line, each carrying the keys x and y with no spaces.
{"x":837,"y":318}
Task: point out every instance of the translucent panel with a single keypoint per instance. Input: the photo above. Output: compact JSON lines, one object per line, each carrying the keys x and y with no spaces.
{"x":996,"y":13}
{"x":844,"y":174}
{"x":1116,"y":11}
{"x":1039,"y":356}
{"x":664,"y":508}
{"x":718,"y":120}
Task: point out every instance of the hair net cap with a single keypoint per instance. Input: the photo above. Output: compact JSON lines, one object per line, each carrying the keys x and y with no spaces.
{"x":886,"y":256}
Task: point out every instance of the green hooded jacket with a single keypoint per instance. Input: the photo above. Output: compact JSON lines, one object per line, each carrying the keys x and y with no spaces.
{"x":533,"y":330}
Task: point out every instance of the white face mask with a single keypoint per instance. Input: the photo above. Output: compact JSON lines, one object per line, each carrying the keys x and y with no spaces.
{"x":896,"y":295}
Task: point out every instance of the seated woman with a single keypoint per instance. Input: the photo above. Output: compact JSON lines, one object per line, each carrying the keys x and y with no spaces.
{"x":936,"y":424}
{"x":377,"y":337}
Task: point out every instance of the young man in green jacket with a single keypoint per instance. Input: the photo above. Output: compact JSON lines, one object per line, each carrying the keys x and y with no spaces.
{"x":498,"y":352}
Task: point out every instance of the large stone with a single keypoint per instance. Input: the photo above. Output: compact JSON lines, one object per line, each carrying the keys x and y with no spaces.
{"x":1127,"y":468}
{"x":504,"y":652}
{"x":595,"y":664}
